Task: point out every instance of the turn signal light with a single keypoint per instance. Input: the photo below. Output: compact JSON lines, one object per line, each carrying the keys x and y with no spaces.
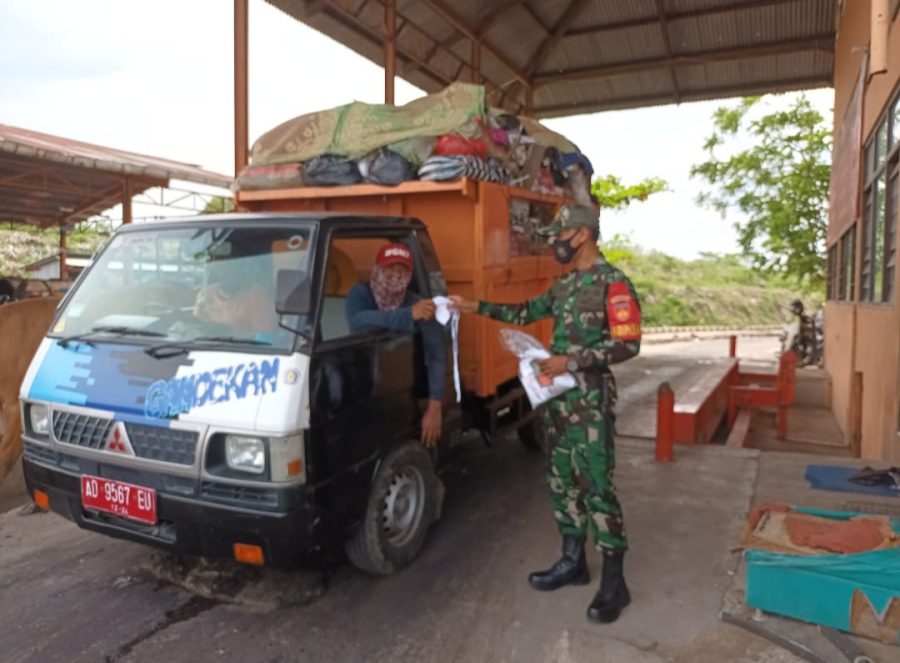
{"x":295,"y":467}
{"x":42,"y":499}
{"x":247,"y":554}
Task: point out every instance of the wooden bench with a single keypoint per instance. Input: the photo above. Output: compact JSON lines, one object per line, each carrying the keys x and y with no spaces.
{"x":700,"y":409}
{"x":765,"y":390}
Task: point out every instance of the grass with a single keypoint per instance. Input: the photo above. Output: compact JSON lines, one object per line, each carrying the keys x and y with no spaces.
{"x":711,"y":290}
{"x":21,"y":245}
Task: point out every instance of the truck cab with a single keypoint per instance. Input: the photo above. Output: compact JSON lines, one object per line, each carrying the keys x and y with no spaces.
{"x":200,"y":390}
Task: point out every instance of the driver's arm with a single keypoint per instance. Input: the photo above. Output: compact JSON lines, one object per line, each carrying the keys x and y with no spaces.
{"x":435,"y":357}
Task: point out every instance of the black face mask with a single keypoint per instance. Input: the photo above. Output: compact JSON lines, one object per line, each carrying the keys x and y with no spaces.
{"x":563,"y":251}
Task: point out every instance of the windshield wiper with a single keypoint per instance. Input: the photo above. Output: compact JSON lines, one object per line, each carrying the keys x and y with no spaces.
{"x":166,"y":350}
{"x":109,"y":329}
{"x":230,"y":339}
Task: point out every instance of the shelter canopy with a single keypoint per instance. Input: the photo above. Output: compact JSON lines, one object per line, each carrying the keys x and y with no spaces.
{"x":551,"y":58}
{"x":48,"y":180}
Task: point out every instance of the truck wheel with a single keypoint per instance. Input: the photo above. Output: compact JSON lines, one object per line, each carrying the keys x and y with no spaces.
{"x":531,"y":435}
{"x":405,"y":499}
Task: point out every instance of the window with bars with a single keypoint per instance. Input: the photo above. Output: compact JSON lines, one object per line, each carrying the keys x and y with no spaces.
{"x":831,"y":285}
{"x":879,"y":227}
{"x":890,"y":236}
{"x":846,"y":282}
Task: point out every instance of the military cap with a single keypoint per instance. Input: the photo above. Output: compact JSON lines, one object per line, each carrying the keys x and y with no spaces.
{"x":570,"y":216}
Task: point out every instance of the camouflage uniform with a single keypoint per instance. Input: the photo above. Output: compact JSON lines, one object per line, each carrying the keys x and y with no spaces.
{"x":596,"y":323}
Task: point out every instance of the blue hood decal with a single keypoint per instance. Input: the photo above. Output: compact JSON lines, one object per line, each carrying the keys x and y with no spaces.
{"x":105,"y":376}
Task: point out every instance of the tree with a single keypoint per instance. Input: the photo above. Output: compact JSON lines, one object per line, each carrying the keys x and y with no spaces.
{"x":219,"y":204}
{"x":778,"y":182}
{"x":612,"y":194}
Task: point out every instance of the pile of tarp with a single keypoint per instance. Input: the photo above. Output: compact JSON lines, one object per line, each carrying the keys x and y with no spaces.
{"x":440,"y":137}
{"x":834,"y":568}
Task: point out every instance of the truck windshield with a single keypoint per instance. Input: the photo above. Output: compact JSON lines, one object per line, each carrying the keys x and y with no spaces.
{"x":204,"y":285}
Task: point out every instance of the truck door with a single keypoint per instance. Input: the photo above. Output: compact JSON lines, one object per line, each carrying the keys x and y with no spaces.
{"x":364,"y":383}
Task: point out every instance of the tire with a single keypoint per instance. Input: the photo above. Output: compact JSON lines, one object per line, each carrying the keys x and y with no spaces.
{"x":531,"y":434}
{"x":405,"y":499}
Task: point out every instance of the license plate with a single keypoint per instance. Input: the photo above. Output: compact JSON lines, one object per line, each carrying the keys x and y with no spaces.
{"x":119,"y":498}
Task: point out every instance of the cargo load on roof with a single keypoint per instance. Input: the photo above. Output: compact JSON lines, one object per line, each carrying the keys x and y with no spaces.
{"x":440,"y":137}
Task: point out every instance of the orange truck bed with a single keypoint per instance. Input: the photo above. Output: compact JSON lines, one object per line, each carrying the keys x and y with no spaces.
{"x":469,"y":223}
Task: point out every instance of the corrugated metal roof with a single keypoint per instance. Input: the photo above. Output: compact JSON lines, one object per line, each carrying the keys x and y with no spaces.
{"x":609,"y":54}
{"x":50,"y":180}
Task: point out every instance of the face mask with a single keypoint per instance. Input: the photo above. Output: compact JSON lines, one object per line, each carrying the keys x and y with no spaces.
{"x":563,"y":250}
{"x":389,"y":288}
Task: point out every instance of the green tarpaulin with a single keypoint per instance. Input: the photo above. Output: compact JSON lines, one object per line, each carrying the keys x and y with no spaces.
{"x":356,"y":129}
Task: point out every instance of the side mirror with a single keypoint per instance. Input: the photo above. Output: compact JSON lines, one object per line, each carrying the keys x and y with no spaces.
{"x":293,"y":292}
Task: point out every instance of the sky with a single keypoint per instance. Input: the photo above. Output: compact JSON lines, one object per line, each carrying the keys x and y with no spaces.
{"x":156,"y":77}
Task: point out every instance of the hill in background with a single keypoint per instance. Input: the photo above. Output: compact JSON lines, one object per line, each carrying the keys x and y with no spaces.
{"x":22,"y":245}
{"x":712,"y":290}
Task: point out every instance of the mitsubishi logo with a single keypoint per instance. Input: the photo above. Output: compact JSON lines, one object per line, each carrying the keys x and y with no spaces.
{"x":118,"y":440}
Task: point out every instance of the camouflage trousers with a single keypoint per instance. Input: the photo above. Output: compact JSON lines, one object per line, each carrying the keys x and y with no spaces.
{"x":579,"y":426}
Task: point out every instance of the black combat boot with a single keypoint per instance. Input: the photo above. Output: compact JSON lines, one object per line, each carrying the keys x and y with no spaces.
{"x":613,"y":595}
{"x":571,"y":569}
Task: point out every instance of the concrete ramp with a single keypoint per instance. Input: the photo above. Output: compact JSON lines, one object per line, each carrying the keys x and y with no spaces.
{"x":701,"y":396}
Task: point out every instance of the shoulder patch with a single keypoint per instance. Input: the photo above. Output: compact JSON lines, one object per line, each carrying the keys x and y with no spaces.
{"x":624,"y":313}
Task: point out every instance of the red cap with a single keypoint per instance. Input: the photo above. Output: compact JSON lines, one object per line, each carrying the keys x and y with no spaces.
{"x":394,"y":254}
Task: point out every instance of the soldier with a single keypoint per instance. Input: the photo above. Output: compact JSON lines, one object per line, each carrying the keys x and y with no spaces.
{"x":596,"y":323}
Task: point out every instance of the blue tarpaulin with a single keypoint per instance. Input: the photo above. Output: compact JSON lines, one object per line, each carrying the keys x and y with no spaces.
{"x":834,"y":477}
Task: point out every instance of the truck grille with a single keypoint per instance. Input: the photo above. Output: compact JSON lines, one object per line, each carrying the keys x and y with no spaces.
{"x":165,"y":444}
{"x":239,"y":495}
{"x":151,"y":442}
{"x":81,"y":430}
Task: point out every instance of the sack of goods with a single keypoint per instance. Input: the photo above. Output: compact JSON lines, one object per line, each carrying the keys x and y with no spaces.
{"x":440,"y":137}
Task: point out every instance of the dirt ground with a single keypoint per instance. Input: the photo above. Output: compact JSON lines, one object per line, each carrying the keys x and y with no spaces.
{"x":70,"y":595}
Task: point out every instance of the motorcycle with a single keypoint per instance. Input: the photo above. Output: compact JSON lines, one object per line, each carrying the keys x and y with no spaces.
{"x":805,"y":336}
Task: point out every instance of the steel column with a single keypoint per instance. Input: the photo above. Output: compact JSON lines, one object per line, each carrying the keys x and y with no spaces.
{"x":390,"y":49}
{"x":63,"y":255}
{"x":665,"y":424}
{"x":241,"y":129}
{"x":476,"y":62}
{"x":127,"y":194}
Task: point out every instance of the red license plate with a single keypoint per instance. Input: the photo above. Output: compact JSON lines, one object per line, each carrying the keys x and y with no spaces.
{"x":119,"y":498}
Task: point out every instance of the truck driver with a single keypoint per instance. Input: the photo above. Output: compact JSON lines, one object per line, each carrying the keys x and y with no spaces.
{"x":386,"y":302}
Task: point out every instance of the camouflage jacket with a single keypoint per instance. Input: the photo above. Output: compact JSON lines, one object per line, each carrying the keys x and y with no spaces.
{"x":596,"y":318}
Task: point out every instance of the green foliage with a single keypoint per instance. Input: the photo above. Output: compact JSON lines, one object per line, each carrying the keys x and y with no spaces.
{"x":23,"y":244}
{"x":612,"y":194}
{"x":779,"y":184}
{"x":711,"y":290}
{"x":218,"y":205}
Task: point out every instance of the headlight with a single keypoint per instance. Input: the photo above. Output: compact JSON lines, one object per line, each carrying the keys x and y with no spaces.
{"x":247,"y":454}
{"x":39,"y":418}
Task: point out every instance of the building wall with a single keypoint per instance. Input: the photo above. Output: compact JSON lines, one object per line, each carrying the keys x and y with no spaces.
{"x":881,"y":87}
{"x":48,"y":271}
{"x":876,"y":359}
{"x":839,"y":355}
{"x":869,"y":341}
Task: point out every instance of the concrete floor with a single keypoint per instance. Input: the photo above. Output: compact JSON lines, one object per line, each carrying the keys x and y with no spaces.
{"x":69,"y":595}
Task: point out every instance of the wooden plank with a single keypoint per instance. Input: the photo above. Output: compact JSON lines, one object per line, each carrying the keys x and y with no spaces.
{"x":692,"y":400}
{"x":352,"y":190}
{"x":738,"y":435}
